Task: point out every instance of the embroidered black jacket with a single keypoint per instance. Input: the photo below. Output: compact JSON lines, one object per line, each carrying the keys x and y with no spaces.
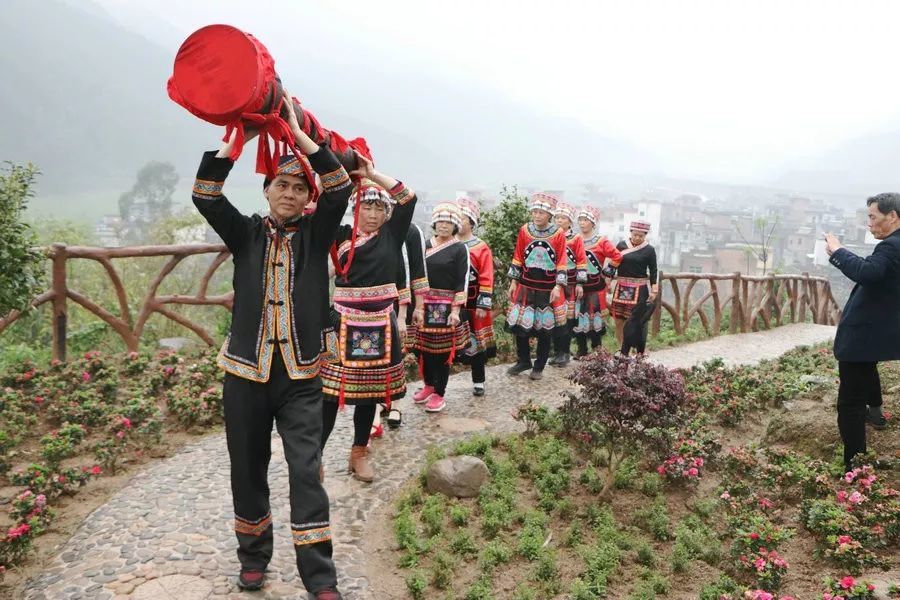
{"x":280,"y":273}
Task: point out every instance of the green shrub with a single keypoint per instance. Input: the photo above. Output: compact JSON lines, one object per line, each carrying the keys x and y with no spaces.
{"x":416,"y":584}
{"x":493,"y":554}
{"x":654,"y":519}
{"x":442,"y":571}
{"x":462,"y":544}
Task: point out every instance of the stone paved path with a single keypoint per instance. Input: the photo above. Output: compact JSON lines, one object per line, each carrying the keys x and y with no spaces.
{"x":168,"y":534}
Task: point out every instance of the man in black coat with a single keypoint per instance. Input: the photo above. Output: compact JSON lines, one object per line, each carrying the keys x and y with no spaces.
{"x":869,"y":331}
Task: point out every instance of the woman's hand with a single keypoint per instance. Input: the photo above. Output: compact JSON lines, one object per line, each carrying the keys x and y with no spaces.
{"x":454,"y":317}
{"x":365,"y":168}
{"x":419,"y":317}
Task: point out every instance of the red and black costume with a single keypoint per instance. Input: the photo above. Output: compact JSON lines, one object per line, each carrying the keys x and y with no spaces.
{"x":437,"y":340}
{"x":576,"y":275}
{"x":480,"y":298}
{"x":369,"y":366}
{"x":272,"y":357}
{"x":637,"y":273}
{"x":603,"y":258}
{"x":538,"y":265}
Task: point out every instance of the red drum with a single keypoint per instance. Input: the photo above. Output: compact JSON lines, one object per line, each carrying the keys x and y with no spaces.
{"x":227,"y":77}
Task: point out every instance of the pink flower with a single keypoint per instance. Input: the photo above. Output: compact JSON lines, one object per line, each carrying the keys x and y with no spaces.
{"x":760,"y":564}
{"x":856,"y":498}
{"x":847,"y":582}
{"x":120,"y":434}
{"x":126,"y":422}
{"x":725,"y":495}
{"x":844,"y":539}
{"x":754,"y":536}
{"x":766,"y":503}
{"x":661,"y":470}
{"x":870,"y":587}
{"x":38,"y":400}
{"x":85,"y":376}
{"x":693,"y":472}
{"x":698,"y":462}
{"x":40,"y":501}
{"x":841,"y":496}
{"x":95,"y":470}
{"x":850,"y":476}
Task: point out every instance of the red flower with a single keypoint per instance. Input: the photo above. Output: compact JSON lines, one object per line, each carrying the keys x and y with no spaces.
{"x":754,"y":536}
{"x":95,"y":470}
{"x":847,"y":582}
{"x":85,"y":376}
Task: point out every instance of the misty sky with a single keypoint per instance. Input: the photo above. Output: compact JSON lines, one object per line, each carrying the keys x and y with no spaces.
{"x":716,"y":89}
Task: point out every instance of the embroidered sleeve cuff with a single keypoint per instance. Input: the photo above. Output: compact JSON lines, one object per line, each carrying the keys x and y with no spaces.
{"x":211,"y":175}
{"x":418,"y":285}
{"x":562,"y":278}
{"x":459,"y":299}
{"x":401,"y":194}
{"x":581,"y":276}
{"x":609,"y":271}
{"x":334,"y":177}
{"x":515,"y":272}
{"x":404,"y":296}
{"x":484,"y":300}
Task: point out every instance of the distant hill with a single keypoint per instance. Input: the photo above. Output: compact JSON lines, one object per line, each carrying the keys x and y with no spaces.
{"x":84,"y":98}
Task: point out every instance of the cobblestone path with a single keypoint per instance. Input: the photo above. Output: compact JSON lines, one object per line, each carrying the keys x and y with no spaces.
{"x":168,"y":534}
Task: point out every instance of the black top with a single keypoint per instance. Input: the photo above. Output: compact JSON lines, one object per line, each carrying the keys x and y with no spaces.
{"x":869,"y":330}
{"x":377,"y":256}
{"x":448,"y":268}
{"x":249,"y":239}
{"x":411,"y":275}
{"x":637,"y":264}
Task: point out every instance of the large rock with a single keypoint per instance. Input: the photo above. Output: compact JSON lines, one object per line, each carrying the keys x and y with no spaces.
{"x":457,"y":476}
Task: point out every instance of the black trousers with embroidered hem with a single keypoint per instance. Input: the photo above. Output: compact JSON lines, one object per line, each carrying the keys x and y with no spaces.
{"x":295,"y":407}
{"x":860,"y":387}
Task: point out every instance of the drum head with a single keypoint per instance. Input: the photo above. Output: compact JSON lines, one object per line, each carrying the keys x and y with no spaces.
{"x":220,"y":72}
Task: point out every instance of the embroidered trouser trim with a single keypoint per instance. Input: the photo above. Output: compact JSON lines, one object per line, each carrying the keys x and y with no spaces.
{"x":295,"y":407}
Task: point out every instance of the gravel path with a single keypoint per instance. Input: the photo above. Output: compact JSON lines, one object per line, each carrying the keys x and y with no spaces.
{"x":169,"y":533}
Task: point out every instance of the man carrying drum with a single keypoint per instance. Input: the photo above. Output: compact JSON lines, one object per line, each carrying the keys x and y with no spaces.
{"x":273,"y":351}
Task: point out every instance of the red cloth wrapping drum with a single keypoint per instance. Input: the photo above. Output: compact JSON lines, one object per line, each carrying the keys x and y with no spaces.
{"x":227,"y":77}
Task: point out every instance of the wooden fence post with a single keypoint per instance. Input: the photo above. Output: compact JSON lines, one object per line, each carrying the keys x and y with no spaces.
{"x":60,"y":297}
{"x":657,"y":312}
{"x":736,"y":310}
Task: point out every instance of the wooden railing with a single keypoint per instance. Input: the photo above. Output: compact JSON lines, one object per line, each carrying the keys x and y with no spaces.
{"x":750,"y":303}
{"x":128,"y":328}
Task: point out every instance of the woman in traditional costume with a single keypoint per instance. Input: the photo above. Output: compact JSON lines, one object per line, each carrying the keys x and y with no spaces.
{"x":444,"y":332}
{"x":480,"y":298}
{"x":369,"y":366}
{"x":537,"y":288}
{"x":576,"y":274}
{"x":603,"y":259}
{"x":636,"y":281}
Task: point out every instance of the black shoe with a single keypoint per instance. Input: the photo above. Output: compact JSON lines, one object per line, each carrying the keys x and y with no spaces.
{"x":517,"y":368}
{"x":554,"y":359}
{"x":876,"y":418}
{"x":536,"y":375}
{"x":563,"y":360}
{"x":478,"y":391}
{"x":251,"y":579}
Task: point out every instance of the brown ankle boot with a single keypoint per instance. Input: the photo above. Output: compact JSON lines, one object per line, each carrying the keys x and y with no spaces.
{"x":359,"y":464}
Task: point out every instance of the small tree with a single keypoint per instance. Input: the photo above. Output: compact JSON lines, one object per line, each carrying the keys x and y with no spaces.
{"x":763,"y":250}
{"x":623,"y":406}
{"x":499,"y":228}
{"x":21,"y":264}
{"x":149,"y":200}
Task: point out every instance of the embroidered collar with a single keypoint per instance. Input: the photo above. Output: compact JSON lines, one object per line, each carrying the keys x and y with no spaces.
{"x":629,"y":247}
{"x":361,"y":238}
{"x":438,"y":247}
{"x":286,"y":229}
{"x":472,"y":241}
{"x":542,"y":233}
